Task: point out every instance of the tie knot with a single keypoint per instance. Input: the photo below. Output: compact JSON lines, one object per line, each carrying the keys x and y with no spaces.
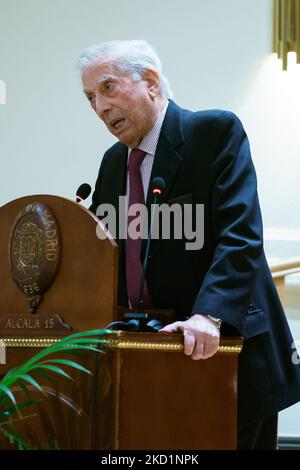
{"x":136,"y":157}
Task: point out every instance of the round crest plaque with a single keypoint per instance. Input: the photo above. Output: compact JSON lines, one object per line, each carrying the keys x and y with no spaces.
{"x":34,"y":251}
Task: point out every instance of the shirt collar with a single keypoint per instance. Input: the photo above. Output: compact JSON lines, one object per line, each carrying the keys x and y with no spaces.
{"x":150,"y":141}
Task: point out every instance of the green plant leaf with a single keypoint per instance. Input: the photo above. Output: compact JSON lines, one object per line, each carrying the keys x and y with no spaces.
{"x":30,"y":380}
{"x":79,"y":347}
{"x":67,"y":362}
{"x":73,"y":349}
{"x":9,"y":373}
{"x":9,"y":411}
{"x":7,"y":392}
{"x":80,"y":337}
{"x":87,"y":333}
{"x":43,"y":363}
{"x":75,"y":342}
{"x":24,"y":388}
{"x":58,"y":370}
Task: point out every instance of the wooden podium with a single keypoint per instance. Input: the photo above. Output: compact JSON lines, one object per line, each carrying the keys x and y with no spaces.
{"x":144,"y":393}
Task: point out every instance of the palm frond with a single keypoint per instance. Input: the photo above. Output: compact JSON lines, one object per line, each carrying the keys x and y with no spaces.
{"x":42,"y":363}
{"x":4,"y":390}
{"x":67,"y":362}
{"x":49,"y":367}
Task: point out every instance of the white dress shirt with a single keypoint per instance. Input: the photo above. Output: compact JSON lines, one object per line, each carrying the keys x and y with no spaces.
{"x":149,"y":145}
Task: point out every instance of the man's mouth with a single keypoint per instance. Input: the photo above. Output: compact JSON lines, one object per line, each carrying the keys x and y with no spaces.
{"x":117,"y":123}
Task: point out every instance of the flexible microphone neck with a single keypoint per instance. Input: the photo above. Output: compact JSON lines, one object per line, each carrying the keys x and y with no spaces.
{"x":158,"y":185}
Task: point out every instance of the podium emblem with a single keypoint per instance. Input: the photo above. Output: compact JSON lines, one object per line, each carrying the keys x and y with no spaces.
{"x":35,"y":251}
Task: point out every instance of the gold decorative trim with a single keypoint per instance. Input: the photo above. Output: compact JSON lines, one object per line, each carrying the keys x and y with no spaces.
{"x":28,"y":342}
{"x":118,"y":343}
{"x":230,"y":349}
{"x":130,"y":344}
{"x":127,"y":344}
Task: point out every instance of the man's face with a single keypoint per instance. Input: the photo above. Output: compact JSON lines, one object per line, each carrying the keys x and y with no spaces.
{"x":126,"y":106}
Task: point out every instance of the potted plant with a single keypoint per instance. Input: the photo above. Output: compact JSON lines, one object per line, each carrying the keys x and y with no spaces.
{"x":18,"y":385}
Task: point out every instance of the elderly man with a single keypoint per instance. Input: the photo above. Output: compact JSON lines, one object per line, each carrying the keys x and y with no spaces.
{"x":204,"y":158}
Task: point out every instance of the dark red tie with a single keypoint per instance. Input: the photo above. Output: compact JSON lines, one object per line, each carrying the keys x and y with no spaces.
{"x":133,"y":247}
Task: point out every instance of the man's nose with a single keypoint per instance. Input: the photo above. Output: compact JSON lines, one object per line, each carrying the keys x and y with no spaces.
{"x":102,"y":106}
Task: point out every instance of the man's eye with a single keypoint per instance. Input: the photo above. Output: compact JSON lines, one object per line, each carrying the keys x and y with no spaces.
{"x":108,"y":86}
{"x":90,"y":98}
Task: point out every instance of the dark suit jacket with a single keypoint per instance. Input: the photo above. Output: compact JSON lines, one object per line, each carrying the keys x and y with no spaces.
{"x":204,"y":158}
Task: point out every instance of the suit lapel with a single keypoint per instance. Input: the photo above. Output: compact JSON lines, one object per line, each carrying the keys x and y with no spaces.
{"x":119,"y":175}
{"x":166,"y":164}
{"x":167,"y":159}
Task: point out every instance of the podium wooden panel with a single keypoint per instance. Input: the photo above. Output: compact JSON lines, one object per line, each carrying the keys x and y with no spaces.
{"x":161,"y":399}
{"x":144,"y":393}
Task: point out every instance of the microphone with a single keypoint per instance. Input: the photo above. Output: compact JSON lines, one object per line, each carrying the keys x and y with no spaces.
{"x":83,"y":192}
{"x":158,"y":185}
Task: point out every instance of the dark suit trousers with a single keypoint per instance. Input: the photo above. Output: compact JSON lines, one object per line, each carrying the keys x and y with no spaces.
{"x":260,"y":435}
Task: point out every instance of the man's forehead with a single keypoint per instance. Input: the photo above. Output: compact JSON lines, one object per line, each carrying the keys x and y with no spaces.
{"x":97,"y":74}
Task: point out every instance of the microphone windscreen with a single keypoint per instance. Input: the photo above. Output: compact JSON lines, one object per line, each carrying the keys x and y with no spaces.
{"x":158,"y":183}
{"x":83,"y":192}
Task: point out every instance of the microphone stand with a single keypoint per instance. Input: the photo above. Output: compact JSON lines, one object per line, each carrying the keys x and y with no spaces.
{"x":139,"y":321}
{"x":146,"y":257}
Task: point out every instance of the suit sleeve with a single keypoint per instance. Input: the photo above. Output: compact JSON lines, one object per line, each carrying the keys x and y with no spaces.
{"x":237,"y":229}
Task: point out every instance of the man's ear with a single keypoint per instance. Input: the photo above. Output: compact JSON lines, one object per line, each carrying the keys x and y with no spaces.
{"x":153,"y":82}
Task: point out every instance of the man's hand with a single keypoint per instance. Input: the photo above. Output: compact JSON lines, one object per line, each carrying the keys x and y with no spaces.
{"x":201,"y":336}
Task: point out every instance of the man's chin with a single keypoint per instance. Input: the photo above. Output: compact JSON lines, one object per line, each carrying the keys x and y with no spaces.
{"x":127,"y":141}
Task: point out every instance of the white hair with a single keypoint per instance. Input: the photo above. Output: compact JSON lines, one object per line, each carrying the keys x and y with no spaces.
{"x":133,"y":56}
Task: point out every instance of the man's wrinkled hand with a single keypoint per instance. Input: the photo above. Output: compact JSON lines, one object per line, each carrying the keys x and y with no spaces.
{"x":201,"y":336}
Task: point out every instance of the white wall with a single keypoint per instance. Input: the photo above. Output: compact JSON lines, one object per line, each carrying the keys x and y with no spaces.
{"x":216,"y":53}
{"x":50,"y":140}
